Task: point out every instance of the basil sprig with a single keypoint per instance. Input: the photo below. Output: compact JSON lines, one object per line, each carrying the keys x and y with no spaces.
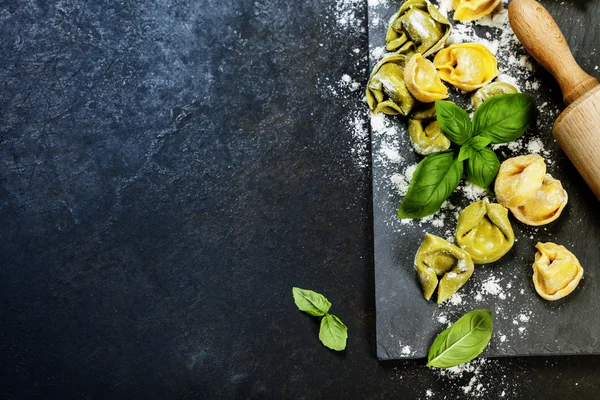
{"x":333,"y":333}
{"x":500,"y":119}
{"x":434,"y":180}
{"x":463,"y":341}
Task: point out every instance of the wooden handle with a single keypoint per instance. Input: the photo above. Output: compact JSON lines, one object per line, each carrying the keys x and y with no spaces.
{"x":539,"y":34}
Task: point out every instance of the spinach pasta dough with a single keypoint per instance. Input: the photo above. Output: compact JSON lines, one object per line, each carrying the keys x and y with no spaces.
{"x":439,"y":258}
{"x":425,"y":133}
{"x":418,"y":27}
{"x":484,"y":231}
{"x":556,"y":271}
{"x":386,"y":89}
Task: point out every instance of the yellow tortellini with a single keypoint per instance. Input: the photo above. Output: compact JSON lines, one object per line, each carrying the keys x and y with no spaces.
{"x":438,"y":258}
{"x":467,"y":66}
{"x":423,"y":81}
{"x":484,"y":231}
{"x":518,"y":179}
{"x":545,"y":206}
{"x":418,"y":27}
{"x":425,"y":133}
{"x":556,"y":271}
{"x":492,"y":89}
{"x":386,"y":89}
{"x":470,"y":10}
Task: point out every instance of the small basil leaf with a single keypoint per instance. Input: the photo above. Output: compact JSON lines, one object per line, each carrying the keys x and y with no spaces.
{"x":465,"y":152}
{"x":333,"y":333}
{"x":504,"y":118}
{"x":435,"y":178}
{"x":311,"y":302}
{"x":463,"y":341}
{"x":479,"y":142}
{"x":483,"y":167}
{"x":454,"y":121}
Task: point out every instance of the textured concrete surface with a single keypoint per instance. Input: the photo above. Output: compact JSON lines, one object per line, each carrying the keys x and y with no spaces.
{"x":168,"y":171}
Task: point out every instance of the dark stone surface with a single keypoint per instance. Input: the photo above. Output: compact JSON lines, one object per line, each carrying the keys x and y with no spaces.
{"x":567,"y":326}
{"x":170,"y":170}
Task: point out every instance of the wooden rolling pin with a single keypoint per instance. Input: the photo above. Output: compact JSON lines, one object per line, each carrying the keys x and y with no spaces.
{"x":577,"y":129}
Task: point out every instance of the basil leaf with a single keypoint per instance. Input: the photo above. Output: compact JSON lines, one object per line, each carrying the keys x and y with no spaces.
{"x":479,"y":142}
{"x":435,"y":178}
{"x":333,"y":333}
{"x":483,"y":167}
{"x":465,"y":152}
{"x":311,"y":302}
{"x":463,"y":341}
{"x":454,"y":121}
{"x":504,"y":118}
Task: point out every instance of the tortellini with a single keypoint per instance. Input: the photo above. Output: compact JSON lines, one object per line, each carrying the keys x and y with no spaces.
{"x":423,"y":81}
{"x":556,"y":271}
{"x":518,"y":179}
{"x":484,"y":231}
{"x":418,"y":27}
{"x":425,"y":133}
{"x":492,"y":89}
{"x":470,"y":10}
{"x":386,"y":89}
{"x":545,"y":206}
{"x":467,"y":66}
{"x":438,"y":258}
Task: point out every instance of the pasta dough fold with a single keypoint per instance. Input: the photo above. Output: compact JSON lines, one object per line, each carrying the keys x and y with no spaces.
{"x":386,"y":90}
{"x":470,"y":10}
{"x":418,"y":27}
{"x":556,"y":271}
{"x":484,"y":231}
{"x":518,"y":179}
{"x":545,"y":206}
{"x":439,"y":258}
{"x":467,"y":66}
{"x":423,"y":81}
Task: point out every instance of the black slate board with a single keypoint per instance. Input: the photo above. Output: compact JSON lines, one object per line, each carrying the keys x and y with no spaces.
{"x":524,"y":324}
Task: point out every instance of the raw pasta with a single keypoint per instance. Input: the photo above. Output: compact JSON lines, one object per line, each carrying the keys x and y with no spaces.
{"x":556,"y":271}
{"x":467,"y":66}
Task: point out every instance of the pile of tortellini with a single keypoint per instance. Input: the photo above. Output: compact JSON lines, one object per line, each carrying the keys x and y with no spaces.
{"x":483,"y":235}
{"x":405,"y":82}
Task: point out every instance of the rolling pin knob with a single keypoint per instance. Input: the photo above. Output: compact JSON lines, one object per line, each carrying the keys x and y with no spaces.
{"x":537,"y":31}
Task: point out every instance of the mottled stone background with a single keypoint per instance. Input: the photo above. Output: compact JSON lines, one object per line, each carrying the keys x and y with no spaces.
{"x":168,"y":171}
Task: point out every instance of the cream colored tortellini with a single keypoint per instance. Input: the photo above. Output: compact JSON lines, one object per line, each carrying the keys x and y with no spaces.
{"x":470,"y":10}
{"x":484,"y":231}
{"x":545,"y":206}
{"x":386,"y":89}
{"x":518,"y":179}
{"x":467,"y":66}
{"x":425,"y":133}
{"x":492,"y":89}
{"x":423,"y":81}
{"x":556,"y":271}
{"x":438,"y":258}
{"x":418,"y":27}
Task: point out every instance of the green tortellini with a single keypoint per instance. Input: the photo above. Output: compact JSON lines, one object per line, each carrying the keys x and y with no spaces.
{"x":386,"y":89}
{"x":492,"y":89}
{"x":425,"y":133}
{"x":418,"y":27}
{"x":484,"y":231}
{"x":439,"y":258}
